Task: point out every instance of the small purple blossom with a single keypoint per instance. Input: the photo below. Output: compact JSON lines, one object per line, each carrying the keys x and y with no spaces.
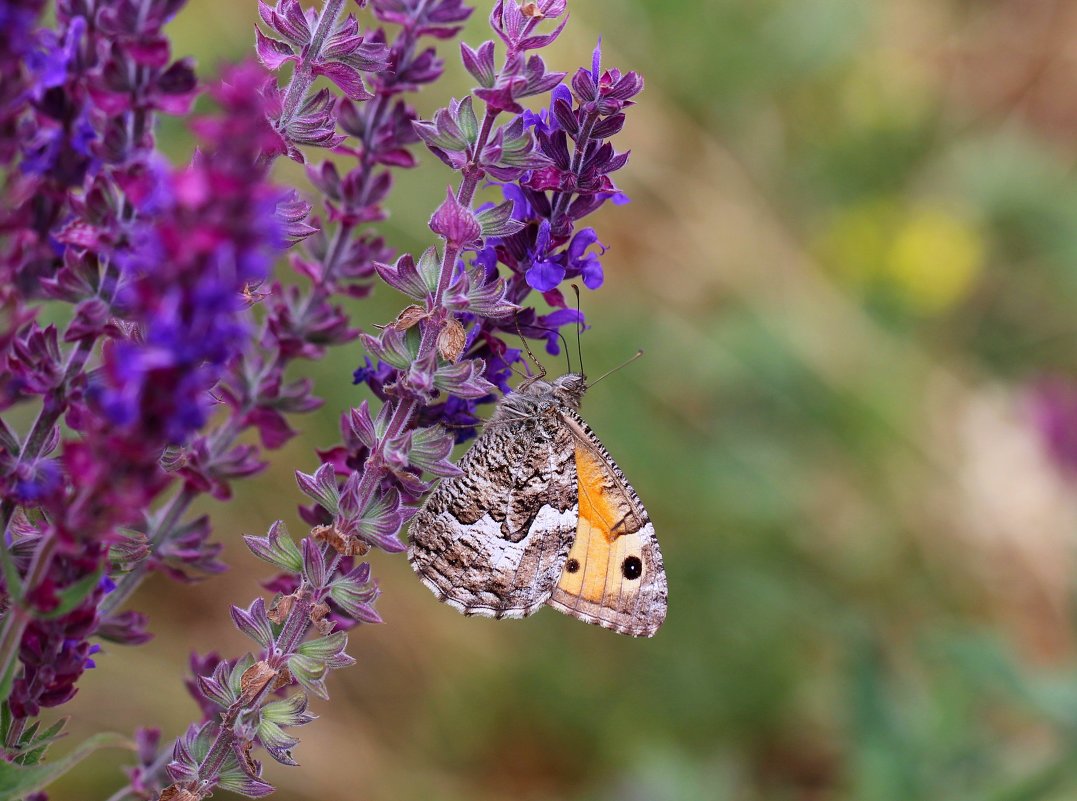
{"x":1054,"y":412}
{"x":543,"y":274}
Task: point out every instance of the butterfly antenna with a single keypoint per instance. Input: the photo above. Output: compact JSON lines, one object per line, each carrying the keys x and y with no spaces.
{"x":625,"y":363}
{"x":564,"y":343}
{"x":527,"y":349}
{"x":579,"y":327}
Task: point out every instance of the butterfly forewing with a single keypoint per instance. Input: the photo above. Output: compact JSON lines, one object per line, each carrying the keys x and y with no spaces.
{"x":492,"y":541}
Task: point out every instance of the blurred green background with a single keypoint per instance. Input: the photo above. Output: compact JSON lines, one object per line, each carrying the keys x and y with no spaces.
{"x":850,"y":257}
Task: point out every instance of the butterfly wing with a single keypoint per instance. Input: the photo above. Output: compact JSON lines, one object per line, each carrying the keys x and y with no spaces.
{"x":492,"y":541}
{"x":613,"y":575}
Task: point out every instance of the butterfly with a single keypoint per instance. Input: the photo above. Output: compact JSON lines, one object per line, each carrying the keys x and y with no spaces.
{"x":541,"y":515}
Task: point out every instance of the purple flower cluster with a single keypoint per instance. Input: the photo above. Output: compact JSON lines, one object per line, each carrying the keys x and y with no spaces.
{"x":335,"y":256}
{"x":547,"y":186}
{"x":77,"y":113}
{"x":54,"y":653}
{"x":176,"y":319}
{"x":18,"y":22}
{"x":212,"y":234}
{"x":428,"y":363}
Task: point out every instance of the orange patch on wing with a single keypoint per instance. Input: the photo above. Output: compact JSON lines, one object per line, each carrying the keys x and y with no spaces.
{"x":595,"y":553}
{"x":596,"y":505}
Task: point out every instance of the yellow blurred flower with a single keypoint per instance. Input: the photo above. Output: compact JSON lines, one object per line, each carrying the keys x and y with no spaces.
{"x":927,"y":256}
{"x":934,"y":258}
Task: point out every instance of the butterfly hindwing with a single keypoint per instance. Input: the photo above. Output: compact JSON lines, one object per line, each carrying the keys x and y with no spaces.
{"x":492,"y":541}
{"x":614,"y":575}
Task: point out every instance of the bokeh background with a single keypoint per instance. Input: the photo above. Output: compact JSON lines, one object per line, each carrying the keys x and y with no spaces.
{"x":851,"y":258}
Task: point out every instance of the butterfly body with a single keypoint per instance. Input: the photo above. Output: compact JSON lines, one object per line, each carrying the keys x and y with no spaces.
{"x":541,"y":515}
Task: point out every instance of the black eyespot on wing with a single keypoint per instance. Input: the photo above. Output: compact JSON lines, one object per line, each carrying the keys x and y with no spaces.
{"x":632,"y":567}
{"x":572,"y":565}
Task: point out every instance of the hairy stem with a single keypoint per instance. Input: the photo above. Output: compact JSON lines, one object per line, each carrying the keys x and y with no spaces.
{"x":304,"y":76}
{"x":402,"y":412}
{"x":294,"y":630}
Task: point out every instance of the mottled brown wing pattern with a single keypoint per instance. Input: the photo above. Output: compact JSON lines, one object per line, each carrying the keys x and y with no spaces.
{"x":492,"y":541}
{"x":613,"y":576}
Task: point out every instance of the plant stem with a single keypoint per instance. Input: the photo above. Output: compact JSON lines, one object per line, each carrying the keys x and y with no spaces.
{"x":55,"y":403}
{"x":292,"y":633}
{"x":129,"y":582}
{"x":403,"y":410}
{"x":303,"y":76}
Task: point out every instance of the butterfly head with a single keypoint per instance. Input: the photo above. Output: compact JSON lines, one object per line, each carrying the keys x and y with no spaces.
{"x":535,"y":397}
{"x":569,"y":389}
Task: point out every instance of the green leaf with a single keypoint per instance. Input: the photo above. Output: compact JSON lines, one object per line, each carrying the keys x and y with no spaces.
{"x":29,"y":733}
{"x":33,"y":756}
{"x":310,"y":673}
{"x":277,"y":547}
{"x":17,"y":782}
{"x":498,"y":221}
{"x":429,"y":268}
{"x":53,"y":732}
{"x":322,"y":648}
{"x":32,"y":745}
{"x":73,"y":595}
{"x":235,"y":677}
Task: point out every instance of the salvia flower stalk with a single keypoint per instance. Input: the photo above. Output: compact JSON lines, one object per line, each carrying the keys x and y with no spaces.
{"x":253,"y":700}
{"x":446,"y":353}
{"x":202,"y":235}
{"x":78,"y":124}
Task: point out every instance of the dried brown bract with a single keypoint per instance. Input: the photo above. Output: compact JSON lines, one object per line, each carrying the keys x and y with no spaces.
{"x":451,"y":340}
